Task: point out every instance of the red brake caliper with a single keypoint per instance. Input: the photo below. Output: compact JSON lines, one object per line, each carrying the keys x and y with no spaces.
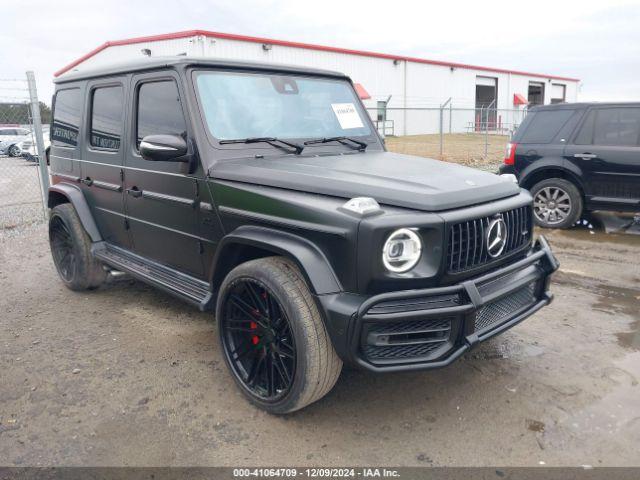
{"x":254,"y":326}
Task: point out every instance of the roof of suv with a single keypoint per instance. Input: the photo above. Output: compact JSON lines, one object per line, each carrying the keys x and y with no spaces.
{"x":151,"y":63}
{"x":563,"y":106}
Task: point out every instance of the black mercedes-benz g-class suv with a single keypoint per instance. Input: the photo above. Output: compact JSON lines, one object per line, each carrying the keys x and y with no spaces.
{"x":264,"y":192}
{"x":575,"y":157}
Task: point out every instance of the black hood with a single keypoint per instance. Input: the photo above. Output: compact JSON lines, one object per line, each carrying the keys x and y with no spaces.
{"x":390,"y":178}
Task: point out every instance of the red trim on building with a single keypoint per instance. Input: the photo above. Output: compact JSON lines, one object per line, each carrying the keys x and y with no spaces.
{"x":519,"y":99}
{"x":362,"y":93}
{"x":308,"y":46}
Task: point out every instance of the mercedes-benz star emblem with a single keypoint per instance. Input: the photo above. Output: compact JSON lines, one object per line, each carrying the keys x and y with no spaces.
{"x":496,"y":237}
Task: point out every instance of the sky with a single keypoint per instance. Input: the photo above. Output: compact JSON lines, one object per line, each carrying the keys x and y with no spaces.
{"x":596,"y":41}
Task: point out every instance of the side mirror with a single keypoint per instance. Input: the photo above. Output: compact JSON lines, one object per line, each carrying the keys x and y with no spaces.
{"x":164,"y":148}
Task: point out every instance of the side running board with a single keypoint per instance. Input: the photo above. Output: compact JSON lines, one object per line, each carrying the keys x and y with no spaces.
{"x":184,"y":286}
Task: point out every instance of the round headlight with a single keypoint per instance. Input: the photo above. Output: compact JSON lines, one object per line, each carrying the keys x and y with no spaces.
{"x":401,"y":251}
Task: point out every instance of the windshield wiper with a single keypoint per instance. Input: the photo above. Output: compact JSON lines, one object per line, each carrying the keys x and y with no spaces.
{"x":355,"y":144}
{"x":276,"y":142}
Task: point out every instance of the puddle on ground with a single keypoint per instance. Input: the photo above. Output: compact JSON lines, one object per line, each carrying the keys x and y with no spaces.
{"x":616,"y":227}
{"x":625,"y":301}
{"x":617,"y":414}
{"x":506,"y":347}
{"x":630,"y":339}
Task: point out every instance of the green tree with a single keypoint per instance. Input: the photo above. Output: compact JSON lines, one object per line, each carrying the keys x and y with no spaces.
{"x":20,"y":113}
{"x":45,"y":113}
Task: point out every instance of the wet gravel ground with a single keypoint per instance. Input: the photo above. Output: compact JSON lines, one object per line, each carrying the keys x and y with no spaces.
{"x":127,"y":375}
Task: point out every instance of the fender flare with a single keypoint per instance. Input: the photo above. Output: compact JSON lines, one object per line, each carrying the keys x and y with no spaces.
{"x":312,"y":262}
{"x":571,"y":171}
{"x":75,"y":196}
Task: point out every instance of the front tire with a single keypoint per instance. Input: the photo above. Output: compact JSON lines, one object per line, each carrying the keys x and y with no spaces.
{"x":14,"y":151}
{"x":557,"y":203}
{"x":273,"y":337}
{"x":71,"y":250}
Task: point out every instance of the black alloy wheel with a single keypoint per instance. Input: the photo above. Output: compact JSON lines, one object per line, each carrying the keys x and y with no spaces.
{"x":71,"y":250}
{"x":62,"y":248}
{"x":258,"y":340}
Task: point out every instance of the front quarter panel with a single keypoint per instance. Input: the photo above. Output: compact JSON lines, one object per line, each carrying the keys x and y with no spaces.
{"x":316,"y":219}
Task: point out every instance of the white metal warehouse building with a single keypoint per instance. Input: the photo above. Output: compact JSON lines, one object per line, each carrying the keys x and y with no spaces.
{"x":402,"y":93}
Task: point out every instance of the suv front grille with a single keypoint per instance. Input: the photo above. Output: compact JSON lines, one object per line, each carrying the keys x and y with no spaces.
{"x":494,"y":313}
{"x":468,"y":245}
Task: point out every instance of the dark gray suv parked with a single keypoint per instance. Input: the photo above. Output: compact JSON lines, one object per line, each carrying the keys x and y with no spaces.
{"x":264,"y":193}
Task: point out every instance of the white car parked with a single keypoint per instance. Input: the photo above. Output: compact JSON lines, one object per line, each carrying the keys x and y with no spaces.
{"x":29,"y":150}
{"x":11,"y":138}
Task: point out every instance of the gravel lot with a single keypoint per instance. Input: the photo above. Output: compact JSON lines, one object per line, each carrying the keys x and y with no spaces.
{"x":465,"y":148}
{"x":127,"y":375}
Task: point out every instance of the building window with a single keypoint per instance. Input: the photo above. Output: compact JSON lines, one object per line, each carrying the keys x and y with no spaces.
{"x":536,"y":93}
{"x":558,"y":93}
{"x":382,"y":111}
{"x":106,"y":117}
{"x":486,"y":103}
{"x":66,"y":118}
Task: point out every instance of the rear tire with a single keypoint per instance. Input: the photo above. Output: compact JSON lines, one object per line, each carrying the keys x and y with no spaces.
{"x":557,"y":203}
{"x":71,"y":250}
{"x":273,"y":337}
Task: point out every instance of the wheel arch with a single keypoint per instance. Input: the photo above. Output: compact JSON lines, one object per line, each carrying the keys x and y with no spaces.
{"x":252,"y":242}
{"x":529,"y":179}
{"x":65,"y":193}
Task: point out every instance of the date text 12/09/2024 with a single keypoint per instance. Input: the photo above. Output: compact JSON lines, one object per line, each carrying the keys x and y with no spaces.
{"x":316,"y":473}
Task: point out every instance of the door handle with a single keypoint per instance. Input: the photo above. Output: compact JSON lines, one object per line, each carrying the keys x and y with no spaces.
{"x":87,"y":181}
{"x":585,"y":156}
{"x":134,"y":192}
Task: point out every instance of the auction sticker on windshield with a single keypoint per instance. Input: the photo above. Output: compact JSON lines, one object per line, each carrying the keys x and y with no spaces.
{"x":347,"y":115}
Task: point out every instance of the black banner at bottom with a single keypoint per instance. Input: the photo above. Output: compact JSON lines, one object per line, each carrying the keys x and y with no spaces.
{"x":205,"y":473}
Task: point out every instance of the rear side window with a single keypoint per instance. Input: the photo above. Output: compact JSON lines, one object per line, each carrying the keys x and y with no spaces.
{"x":617,"y":127}
{"x":544,"y":126}
{"x":159,"y":110}
{"x":66,"y":118}
{"x":585,"y":134}
{"x":106,"y":117}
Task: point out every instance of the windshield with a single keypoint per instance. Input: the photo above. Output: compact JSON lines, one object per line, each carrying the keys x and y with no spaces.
{"x":240,"y":105}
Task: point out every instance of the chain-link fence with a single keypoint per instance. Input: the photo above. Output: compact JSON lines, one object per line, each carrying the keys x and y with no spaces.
{"x":471,"y":136}
{"x":22,"y":178}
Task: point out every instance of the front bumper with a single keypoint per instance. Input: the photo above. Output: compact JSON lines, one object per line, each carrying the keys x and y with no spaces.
{"x":430,"y":328}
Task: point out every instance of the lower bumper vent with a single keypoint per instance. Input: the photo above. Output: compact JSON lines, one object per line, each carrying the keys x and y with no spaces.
{"x":405,"y":340}
{"x":400,"y":352}
{"x":494,"y":313}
